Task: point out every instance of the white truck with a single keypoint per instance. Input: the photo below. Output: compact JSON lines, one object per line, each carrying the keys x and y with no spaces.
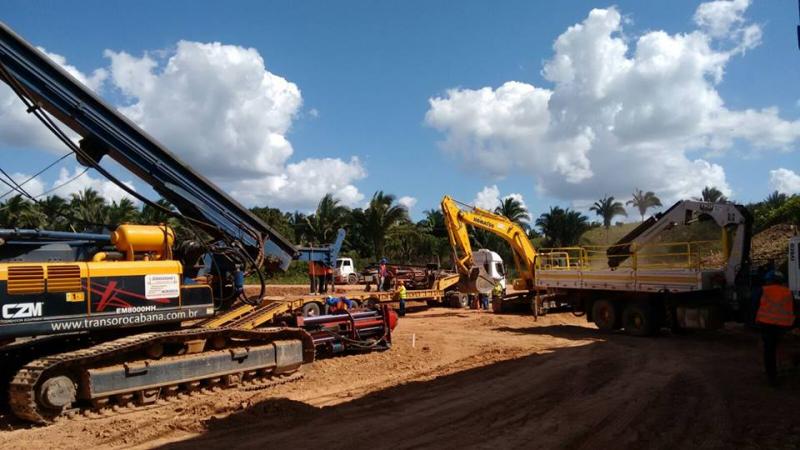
{"x":345,"y":271}
{"x":491,"y":267}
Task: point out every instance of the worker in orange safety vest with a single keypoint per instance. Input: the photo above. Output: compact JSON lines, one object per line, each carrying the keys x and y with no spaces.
{"x":775,"y":316}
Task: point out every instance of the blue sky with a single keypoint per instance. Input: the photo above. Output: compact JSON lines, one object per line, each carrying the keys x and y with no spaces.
{"x":366,"y":71}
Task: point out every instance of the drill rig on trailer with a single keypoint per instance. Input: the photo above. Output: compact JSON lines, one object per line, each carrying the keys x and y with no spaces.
{"x":93,"y":320}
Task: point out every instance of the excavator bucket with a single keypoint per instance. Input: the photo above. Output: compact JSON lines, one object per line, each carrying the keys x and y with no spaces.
{"x":476,"y":282}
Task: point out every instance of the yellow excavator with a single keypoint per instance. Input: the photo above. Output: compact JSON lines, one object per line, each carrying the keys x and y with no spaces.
{"x":473,"y":279}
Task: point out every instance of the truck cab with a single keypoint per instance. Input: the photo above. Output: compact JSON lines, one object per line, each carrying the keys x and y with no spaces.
{"x":345,"y":271}
{"x":491,"y":266}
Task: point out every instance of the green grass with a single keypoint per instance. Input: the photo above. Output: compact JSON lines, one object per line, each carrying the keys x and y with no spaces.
{"x":598,"y":236}
{"x":296,"y":274}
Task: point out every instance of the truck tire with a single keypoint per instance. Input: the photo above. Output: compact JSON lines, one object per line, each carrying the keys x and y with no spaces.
{"x":459,"y":301}
{"x":352,"y":279}
{"x":638,"y":319}
{"x":605,"y":315}
{"x":311,"y":309}
{"x":497,"y":305}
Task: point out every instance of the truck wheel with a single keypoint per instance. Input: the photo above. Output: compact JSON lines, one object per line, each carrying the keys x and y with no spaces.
{"x":497,"y":305}
{"x":604,"y":314}
{"x":638,"y":320}
{"x":352,"y":279}
{"x":459,"y":301}
{"x":311,"y":309}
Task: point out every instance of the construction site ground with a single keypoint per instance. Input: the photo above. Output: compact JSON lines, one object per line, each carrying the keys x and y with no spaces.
{"x":466,"y":378}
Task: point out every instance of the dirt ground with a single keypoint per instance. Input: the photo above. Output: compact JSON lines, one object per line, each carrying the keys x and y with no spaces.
{"x":461,"y":378}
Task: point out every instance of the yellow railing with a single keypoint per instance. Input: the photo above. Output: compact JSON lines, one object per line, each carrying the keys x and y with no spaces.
{"x":659,"y":255}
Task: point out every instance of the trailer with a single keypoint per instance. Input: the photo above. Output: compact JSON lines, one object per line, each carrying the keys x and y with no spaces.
{"x":643,"y":282}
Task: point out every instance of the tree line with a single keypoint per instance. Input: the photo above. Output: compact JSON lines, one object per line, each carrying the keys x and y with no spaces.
{"x":381,"y":229}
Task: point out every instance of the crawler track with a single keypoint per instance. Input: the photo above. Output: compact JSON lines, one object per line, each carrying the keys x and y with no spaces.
{"x":76,"y":373}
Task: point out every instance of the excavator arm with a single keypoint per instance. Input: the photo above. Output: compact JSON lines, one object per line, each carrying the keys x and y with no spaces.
{"x":456,"y":222}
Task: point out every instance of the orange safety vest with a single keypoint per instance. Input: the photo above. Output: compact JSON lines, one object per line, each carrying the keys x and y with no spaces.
{"x":776,"y":306}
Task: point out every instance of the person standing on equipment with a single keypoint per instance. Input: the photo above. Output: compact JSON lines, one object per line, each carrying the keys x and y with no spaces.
{"x":313,"y":276}
{"x":401,"y":295}
{"x":382,"y":272}
{"x":775,"y":316}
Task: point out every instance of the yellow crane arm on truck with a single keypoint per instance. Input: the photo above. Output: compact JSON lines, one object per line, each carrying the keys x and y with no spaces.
{"x":456,"y":221}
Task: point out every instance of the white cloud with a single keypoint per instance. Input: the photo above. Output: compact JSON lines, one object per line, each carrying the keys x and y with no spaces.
{"x":216,"y":105}
{"x":407,"y":201}
{"x":785,"y":181}
{"x":106,"y":189}
{"x":219,"y":109}
{"x":621,"y":113}
{"x":33,"y":186}
{"x":21,"y":130}
{"x":488,"y":198}
{"x":303,"y":184}
{"x":718,"y":17}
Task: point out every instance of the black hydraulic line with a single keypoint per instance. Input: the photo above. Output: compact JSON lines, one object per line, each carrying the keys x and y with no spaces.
{"x":36,"y":175}
{"x":55,"y":188}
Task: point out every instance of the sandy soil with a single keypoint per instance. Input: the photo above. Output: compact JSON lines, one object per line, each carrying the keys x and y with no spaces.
{"x":481,"y":380}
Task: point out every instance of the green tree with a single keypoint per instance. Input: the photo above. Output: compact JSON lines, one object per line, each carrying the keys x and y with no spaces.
{"x":120,"y":212}
{"x":326,"y":220}
{"x":433,"y":223}
{"x":514,"y":211}
{"x":775,"y":200}
{"x":644,"y":201}
{"x":562,"y":227}
{"x":18,"y":212}
{"x":711,"y":194}
{"x":607,"y":208}
{"x":54,"y":209}
{"x":379,"y":217}
{"x":279,"y":221}
{"x":88,"y":208}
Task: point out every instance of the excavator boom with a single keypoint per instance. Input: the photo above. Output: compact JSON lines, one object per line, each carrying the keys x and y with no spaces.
{"x":456,"y":221}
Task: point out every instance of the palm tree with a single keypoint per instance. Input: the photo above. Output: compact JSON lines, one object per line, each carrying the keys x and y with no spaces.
{"x":88,"y":207}
{"x":54,"y":207}
{"x":380,"y":216}
{"x":562,"y":227}
{"x":644,"y":201}
{"x":433,"y":223}
{"x":154,"y":215}
{"x":607,"y":208}
{"x":18,"y":212}
{"x":712,"y":195}
{"x":514,"y":211}
{"x":775,"y":200}
{"x":121,"y":212}
{"x":326,"y":221}
{"x":297,"y":221}
{"x":276,"y":219}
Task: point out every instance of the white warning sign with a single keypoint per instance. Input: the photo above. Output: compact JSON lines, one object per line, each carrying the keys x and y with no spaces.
{"x":161,"y":286}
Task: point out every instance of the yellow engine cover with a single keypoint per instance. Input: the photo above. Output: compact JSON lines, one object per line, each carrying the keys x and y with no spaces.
{"x":143,"y":238}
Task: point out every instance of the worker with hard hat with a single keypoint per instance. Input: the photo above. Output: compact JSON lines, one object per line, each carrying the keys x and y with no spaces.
{"x":337,"y":305}
{"x":497,"y":297}
{"x":775,"y":315}
{"x":401,"y":295}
